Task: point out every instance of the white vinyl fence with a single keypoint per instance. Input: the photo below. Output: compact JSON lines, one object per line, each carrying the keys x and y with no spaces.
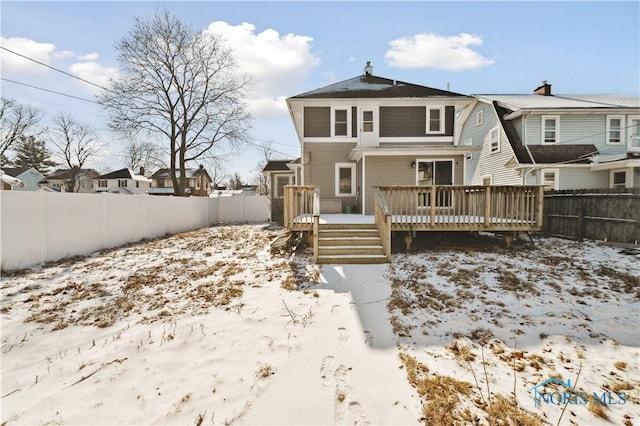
{"x":37,"y":227}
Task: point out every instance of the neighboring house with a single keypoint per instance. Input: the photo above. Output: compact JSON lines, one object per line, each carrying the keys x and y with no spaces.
{"x":199,"y":183}
{"x":61,"y":179}
{"x":560,"y":141}
{"x":123,"y":181}
{"x":9,"y":183}
{"x":280,"y":173}
{"x":371,"y":131}
{"x":28,"y":175}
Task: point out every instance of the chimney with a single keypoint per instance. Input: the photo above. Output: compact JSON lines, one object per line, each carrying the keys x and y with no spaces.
{"x":141,"y":171}
{"x":544,"y":90}
{"x":368,"y":69}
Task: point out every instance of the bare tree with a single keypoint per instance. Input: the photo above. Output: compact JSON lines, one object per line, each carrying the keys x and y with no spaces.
{"x":261,"y":179}
{"x":180,"y":84}
{"x":75,"y":144}
{"x":15,"y":121}
{"x":140,"y":154}
{"x":235,"y":181}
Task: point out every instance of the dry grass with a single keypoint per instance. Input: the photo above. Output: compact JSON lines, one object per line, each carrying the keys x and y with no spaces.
{"x":461,"y":352}
{"x":264,"y":371}
{"x":503,"y":412}
{"x":620,"y":365}
{"x":596,"y":408}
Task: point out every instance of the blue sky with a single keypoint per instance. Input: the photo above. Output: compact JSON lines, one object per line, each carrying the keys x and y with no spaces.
{"x":292,"y":47}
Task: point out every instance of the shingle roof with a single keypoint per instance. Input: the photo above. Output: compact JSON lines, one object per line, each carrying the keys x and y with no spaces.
{"x":15,"y":171}
{"x":189,"y":173}
{"x":512,"y":135}
{"x":533,"y":101}
{"x":124,"y":174}
{"x":69,"y":173}
{"x":277,"y":166}
{"x":553,"y":154}
{"x":371,"y":86}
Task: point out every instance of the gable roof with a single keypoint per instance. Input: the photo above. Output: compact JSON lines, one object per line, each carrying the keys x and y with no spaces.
{"x":15,"y":171}
{"x":70,"y":173}
{"x":189,"y":173}
{"x":512,"y":135}
{"x":278,"y":166}
{"x":370,"y":86}
{"x":124,"y":174}
{"x":553,"y":154}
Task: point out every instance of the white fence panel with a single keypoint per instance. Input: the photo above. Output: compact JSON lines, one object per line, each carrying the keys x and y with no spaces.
{"x":37,"y":227}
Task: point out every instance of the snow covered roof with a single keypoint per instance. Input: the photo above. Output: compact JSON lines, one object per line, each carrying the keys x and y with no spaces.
{"x":124,"y":174}
{"x":533,"y":101}
{"x":189,"y":173}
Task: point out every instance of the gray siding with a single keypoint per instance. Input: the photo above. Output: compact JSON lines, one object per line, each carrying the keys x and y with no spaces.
{"x":636,"y":178}
{"x":411,"y":121}
{"x":319,"y":160}
{"x":381,"y":171}
{"x":582,"y":178}
{"x":317,"y":122}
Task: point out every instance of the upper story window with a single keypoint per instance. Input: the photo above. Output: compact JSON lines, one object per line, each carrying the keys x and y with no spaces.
{"x":340,"y":123}
{"x":550,"y":129}
{"x":367,"y":121}
{"x":479,"y":118}
{"x":615,"y":129}
{"x":494,"y":137}
{"x":435,"y":120}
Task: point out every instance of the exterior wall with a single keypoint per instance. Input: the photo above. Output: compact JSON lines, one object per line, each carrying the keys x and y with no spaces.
{"x":142,"y":187}
{"x":319,"y":159}
{"x":484,"y":162}
{"x":30,"y":178}
{"x":572,"y":177}
{"x":411,"y":122}
{"x":636,"y":177}
{"x":317,"y":122}
{"x":397,"y":170}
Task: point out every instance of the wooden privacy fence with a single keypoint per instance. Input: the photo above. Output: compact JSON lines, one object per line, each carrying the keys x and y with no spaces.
{"x":464,"y":208}
{"x":597,"y":214}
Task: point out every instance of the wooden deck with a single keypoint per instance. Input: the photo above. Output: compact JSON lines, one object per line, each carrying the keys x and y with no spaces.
{"x":430,"y":208}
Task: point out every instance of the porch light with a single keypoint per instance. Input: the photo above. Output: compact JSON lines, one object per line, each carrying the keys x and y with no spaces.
{"x":413,"y":164}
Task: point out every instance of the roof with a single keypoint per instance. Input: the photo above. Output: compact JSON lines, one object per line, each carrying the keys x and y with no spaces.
{"x":124,"y":174}
{"x":552,"y":154}
{"x":15,"y":171}
{"x":277,"y":166}
{"x":582,"y":101}
{"x":371,"y":86}
{"x":70,"y":173}
{"x":189,"y":173}
{"x":512,"y":135}
{"x":166,"y":191}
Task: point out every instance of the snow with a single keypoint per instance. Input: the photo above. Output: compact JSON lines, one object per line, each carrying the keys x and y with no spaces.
{"x":208,"y":327}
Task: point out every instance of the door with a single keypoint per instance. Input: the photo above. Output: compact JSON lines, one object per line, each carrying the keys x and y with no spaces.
{"x":368,"y":128}
{"x":434,"y":172}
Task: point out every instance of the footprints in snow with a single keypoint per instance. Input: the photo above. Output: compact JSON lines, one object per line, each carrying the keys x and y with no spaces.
{"x":346,"y":409}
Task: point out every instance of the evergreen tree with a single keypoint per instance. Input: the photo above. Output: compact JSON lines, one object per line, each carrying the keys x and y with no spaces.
{"x":31,"y":152}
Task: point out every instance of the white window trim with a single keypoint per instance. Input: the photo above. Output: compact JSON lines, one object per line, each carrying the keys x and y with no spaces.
{"x":495,"y":129}
{"x":630,"y":146}
{"x":333,"y":122}
{"x":351,"y":166}
{"x":622,"y":133}
{"x":275,"y":181}
{"x":433,"y":160}
{"x":542,"y":129}
{"x":556,"y":178}
{"x":628,"y":177}
{"x":479,"y":118}
{"x":483,"y":177}
{"x":442,"y":121}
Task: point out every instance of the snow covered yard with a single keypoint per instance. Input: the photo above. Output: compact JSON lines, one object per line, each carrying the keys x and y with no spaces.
{"x":207,"y":327}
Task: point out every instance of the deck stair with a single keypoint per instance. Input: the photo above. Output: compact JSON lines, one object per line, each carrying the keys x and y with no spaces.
{"x":350,"y":243}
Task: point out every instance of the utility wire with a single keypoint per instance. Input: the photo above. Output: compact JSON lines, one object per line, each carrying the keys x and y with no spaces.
{"x":54,"y":68}
{"x":48,"y":90}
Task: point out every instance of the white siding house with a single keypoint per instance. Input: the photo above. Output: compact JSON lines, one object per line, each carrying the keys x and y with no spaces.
{"x":123,"y":181}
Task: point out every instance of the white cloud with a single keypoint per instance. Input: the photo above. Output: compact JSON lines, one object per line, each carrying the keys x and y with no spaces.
{"x":93,"y":56}
{"x":429,"y":50}
{"x":13,"y":64}
{"x":276,"y":63}
{"x":93,"y":72}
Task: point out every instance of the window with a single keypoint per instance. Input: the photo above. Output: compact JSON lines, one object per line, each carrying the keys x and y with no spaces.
{"x":479,"y":118}
{"x":494,"y":137}
{"x":487,"y":180}
{"x":614,"y":129}
{"x":367,"y":121}
{"x":550,"y":179}
{"x":550,"y":129}
{"x":435,"y":118}
{"x":619,"y":179}
{"x":137,"y":184}
{"x":122,"y":183}
{"x":102,"y":183}
{"x":345,"y":179}
{"x":340,"y":124}
{"x":281,"y":181}
{"x":634,"y":134}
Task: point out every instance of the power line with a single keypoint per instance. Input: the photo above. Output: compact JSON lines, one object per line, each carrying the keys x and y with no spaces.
{"x":54,"y":68}
{"x":48,"y":90}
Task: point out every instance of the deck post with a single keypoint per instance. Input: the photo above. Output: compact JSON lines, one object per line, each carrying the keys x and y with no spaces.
{"x":487,"y":206}
{"x":432,"y":205}
{"x":540,"y":206}
{"x":287,"y":202}
{"x":316,"y":222}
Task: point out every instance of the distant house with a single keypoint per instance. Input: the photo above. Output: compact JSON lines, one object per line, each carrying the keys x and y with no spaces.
{"x":9,"y":183}
{"x":280,"y":173}
{"x":560,"y":141}
{"x":199,"y":183}
{"x":123,"y":181}
{"x":29,"y":176}
{"x":62,"y":179}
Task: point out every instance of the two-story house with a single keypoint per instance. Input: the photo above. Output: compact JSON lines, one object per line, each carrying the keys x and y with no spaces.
{"x":561,"y":141}
{"x":199,"y":182}
{"x":372,"y":131}
{"x":70,"y":180}
{"x":123,"y":181}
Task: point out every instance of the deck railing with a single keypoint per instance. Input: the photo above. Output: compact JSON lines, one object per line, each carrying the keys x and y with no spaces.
{"x":301,"y":205}
{"x":450,"y":207}
{"x":383,"y":222}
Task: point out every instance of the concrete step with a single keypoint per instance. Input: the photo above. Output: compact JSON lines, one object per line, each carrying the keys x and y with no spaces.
{"x":352,"y":259}
{"x":350,"y":250}
{"x":349,"y":241}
